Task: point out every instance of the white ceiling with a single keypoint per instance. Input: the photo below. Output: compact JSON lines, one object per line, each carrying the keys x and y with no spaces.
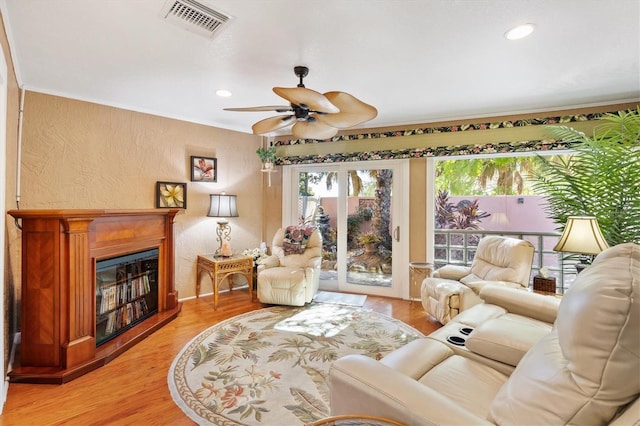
{"x":416,"y":61}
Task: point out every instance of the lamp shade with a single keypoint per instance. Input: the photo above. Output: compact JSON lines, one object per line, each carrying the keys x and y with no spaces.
{"x":223,"y":205}
{"x":581,"y":235}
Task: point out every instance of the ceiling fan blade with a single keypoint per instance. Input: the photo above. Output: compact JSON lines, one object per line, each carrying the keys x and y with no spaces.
{"x":302,"y":96}
{"x":352,"y":111}
{"x":312,"y":130}
{"x":272,"y":123}
{"x":278,"y":108}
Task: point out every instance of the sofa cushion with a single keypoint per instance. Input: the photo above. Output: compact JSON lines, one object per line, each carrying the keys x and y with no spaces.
{"x":423,"y":353}
{"x":469,"y":383}
{"x":589,"y":365}
{"x":283,"y":286}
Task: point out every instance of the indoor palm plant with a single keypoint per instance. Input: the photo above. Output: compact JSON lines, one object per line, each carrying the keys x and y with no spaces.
{"x":601,"y":179}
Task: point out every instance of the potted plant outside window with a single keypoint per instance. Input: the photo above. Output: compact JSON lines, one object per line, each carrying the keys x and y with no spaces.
{"x":369,"y":241}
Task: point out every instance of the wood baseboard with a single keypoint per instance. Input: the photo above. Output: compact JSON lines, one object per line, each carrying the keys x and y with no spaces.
{"x":104,"y":354}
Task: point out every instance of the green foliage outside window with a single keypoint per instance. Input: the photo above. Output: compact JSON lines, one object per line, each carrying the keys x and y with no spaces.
{"x":464,"y":215}
{"x":487,"y":176}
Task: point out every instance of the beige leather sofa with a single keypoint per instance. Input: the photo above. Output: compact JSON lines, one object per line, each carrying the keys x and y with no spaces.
{"x":290,"y":279}
{"x":584,"y":371}
{"x":498,"y":260}
{"x":501,"y":330}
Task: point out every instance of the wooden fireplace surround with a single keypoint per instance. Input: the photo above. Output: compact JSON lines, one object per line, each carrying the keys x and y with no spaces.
{"x":58,"y":303}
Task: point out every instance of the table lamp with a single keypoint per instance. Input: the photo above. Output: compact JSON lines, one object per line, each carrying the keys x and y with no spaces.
{"x":582,"y":235}
{"x":223,"y":206}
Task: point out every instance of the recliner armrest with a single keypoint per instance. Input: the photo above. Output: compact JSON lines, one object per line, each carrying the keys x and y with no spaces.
{"x":476,"y":284}
{"x":268,"y":262}
{"x":538,"y":306}
{"x":315,"y":262}
{"x":507,"y":338}
{"x":360,"y":384}
{"x":452,"y":272}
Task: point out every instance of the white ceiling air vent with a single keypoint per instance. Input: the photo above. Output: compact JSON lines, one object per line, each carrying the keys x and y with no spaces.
{"x":195,"y":17}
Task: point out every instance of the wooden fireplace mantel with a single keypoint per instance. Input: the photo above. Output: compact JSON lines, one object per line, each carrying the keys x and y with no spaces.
{"x":58,"y":303}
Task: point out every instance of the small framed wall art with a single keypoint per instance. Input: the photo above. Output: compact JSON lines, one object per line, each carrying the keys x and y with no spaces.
{"x":171,"y":195}
{"x":204,"y":169}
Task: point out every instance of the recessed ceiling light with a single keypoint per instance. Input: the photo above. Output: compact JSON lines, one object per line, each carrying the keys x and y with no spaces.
{"x":223,"y":93}
{"x":520,"y":31}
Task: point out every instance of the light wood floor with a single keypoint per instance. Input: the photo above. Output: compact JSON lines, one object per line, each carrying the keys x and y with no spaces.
{"x":132,"y":389}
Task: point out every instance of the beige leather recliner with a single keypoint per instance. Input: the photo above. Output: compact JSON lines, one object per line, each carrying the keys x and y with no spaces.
{"x":290,"y":278}
{"x":585,"y":371}
{"x":498,"y":260}
{"x":501,"y":330}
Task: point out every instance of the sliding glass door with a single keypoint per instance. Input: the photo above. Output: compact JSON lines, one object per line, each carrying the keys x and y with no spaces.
{"x":358,"y":209}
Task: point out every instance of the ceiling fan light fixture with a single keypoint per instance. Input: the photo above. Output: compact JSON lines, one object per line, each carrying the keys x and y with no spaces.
{"x":272,"y":123}
{"x":315,"y":115}
{"x":223,"y":93}
{"x":521,"y":31}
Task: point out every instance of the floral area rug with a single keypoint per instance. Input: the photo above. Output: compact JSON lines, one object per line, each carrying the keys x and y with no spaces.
{"x":340,"y":298}
{"x":270,"y":366}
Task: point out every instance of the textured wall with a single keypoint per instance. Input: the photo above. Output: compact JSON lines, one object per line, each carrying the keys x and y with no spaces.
{"x":83,"y":155}
{"x":11,"y":260}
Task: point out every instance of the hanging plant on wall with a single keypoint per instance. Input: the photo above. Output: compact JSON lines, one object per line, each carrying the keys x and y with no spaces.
{"x":601,"y":179}
{"x":267,"y":156}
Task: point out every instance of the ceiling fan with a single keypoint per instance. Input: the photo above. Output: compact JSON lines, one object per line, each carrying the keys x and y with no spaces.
{"x":313,"y":115}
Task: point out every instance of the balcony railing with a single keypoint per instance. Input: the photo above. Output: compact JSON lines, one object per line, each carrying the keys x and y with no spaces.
{"x":458,"y":247}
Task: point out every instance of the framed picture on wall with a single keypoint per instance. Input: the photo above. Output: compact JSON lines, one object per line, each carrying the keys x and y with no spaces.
{"x":204,"y":169}
{"x":171,"y":195}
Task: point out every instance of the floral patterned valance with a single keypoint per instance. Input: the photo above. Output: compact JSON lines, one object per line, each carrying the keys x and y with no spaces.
{"x":443,"y":151}
{"x":490,"y":148}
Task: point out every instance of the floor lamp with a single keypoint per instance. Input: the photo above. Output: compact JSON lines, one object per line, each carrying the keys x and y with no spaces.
{"x":223,"y":206}
{"x":582,"y":235}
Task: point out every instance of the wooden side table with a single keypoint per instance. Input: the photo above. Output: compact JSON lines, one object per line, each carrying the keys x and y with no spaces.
{"x":219,"y":268}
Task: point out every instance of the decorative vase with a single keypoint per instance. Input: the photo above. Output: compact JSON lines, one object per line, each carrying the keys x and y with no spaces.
{"x":226,"y":249}
{"x":268,"y":165}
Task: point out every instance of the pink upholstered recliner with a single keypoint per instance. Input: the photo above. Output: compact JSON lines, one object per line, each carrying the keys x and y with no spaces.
{"x":291,"y":275}
{"x":498,"y":260}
